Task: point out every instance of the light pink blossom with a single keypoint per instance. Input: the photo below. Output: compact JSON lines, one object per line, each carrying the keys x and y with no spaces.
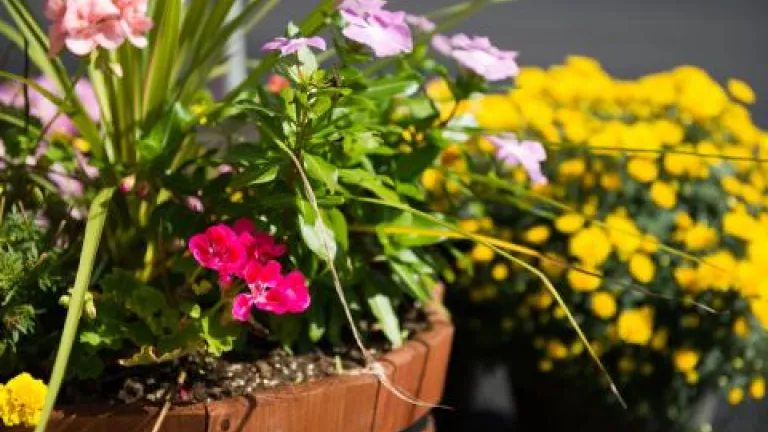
{"x":52,"y":119}
{"x":478,"y":55}
{"x":85,"y":25}
{"x":529,"y":154}
{"x":289,"y":46}
{"x":421,"y":22}
{"x":385,"y":32}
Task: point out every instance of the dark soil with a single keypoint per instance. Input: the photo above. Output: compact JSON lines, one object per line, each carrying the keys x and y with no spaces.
{"x":207,"y":378}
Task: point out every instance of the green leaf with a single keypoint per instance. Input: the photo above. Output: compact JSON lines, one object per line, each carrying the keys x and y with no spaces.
{"x":159,"y":77}
{"x":192,"y":309}
{"x":219,"y":337}
{"x":390,"y":87}
{"x":317,"y":319}
{"x":411,"y":166}
{"x":287,"y":328}
{"x":97,"y":216}
{"x":317,"y":236}
{"x":338,"y":224}
{"x":382,"y":309}
{"x":369,"y":181}
{"x":255,"y":175}
{"x":321,"y":170}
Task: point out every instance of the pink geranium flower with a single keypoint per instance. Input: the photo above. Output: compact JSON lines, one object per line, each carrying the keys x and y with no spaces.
{"x":529,"y":154}
{"x":478,"y":55}
{"x":218,"y":249}
{"x":85,"y":25}
{"x":289,"y":46}
{"x":244,"y":252}
{"x":385,"y":32}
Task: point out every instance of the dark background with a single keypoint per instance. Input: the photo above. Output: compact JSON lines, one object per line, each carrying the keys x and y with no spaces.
{"x":631,"y":38}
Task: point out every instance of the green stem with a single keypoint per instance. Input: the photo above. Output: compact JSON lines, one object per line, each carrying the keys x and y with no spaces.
{"x":97,"y":217}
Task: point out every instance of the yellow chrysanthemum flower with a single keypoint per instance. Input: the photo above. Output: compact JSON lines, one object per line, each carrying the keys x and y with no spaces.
{"x":481,"y":253}
{"x":635,"y":326}
{"x":686,"y":359}
{"x":643,"y":170}
{"x":583,"y":280}
{"x":664,"y":195}
{"x":642,"y":268}
{"x":741,"y":91}
{"x":499,"y":272}
{"x":700,"y":237}
{"x":21,"y":400}
{"x":741,"y":327}
{"x":735,"y":395}
{"x":569,"y":223}
{"x":604,"y":305}
{"x":536,"y":235}
{"x":757,"y":388}
{"x":590,"y":245}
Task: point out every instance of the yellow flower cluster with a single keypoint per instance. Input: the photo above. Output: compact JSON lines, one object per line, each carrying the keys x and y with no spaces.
{"x":21,"y":400}
{"x":658,"y":191}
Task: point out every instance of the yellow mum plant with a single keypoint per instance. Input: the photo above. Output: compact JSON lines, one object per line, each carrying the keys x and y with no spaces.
{"x":653,"y":227}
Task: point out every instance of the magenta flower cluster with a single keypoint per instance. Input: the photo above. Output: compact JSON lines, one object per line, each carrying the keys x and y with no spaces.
{"x":85,"y":25}
{"x":241,"y":251}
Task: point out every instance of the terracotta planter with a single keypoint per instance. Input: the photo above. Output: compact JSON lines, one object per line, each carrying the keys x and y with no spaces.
{"x":344,"y":403}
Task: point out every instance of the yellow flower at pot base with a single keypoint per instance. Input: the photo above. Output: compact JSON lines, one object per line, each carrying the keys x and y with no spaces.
{"x":21,"y":400}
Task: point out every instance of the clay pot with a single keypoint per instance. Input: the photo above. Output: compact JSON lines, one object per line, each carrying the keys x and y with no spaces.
{"x":345,"y":403}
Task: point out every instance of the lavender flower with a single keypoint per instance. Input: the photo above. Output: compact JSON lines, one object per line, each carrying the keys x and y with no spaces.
{"x":12,"y":94}
{"x":529,"y":154}
{"x":421,"y":22}
{"x":385,"y":32}
{"x":289,"y":46}
{"x":478,"y":55}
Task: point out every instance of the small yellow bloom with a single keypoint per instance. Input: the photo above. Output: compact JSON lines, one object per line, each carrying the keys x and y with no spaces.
{"x":432,"y":179}
{"x":604,"y":305}
{"x":692,"y":377}
{"x":582,"y":281}
{"x":569,"y":223}
{"x":545,"y":365}
{"x":741,"y":327}
{"x":683,"y":220}
{"x":611,"y":182}
{"x":650,"y":244}
{"x":735,"y":395}
{"x":627,"y":365}
{"x":536,"y":235}
{"x":643,"y":170}
{"x":237,"y":197}
{"x":700,"y":237}
{"x":591,"y":245}
{"x":757,"y":388}
{"x":659,"y":340}
{"x":469,"y":225}
{"x":541,"y":300}
{"x":686,"y":278}
{"x":635,"y":326}
{"x":481,"y":253}
{"x":741,"y":91}
{"x":572,"y":168}
{"x":81,"y":145}
{"x":497,"y":112}
{"x":686,"y":359}
{"x":557,"y":350}
{"x":663,"y":195}
{"x":642,"y":268}
{"x":499,"y":272}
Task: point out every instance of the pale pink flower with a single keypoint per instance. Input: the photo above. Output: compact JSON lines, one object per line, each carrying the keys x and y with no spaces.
{"x":85,"y":25}
{"x":385,"y":32}
{"x":51,"y":118}
{"x":529,"y":154}
{"x":195,"y":204}
{"x":421,"y":22}
{"x":478,"y":55}
{"x":289,"y":46}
